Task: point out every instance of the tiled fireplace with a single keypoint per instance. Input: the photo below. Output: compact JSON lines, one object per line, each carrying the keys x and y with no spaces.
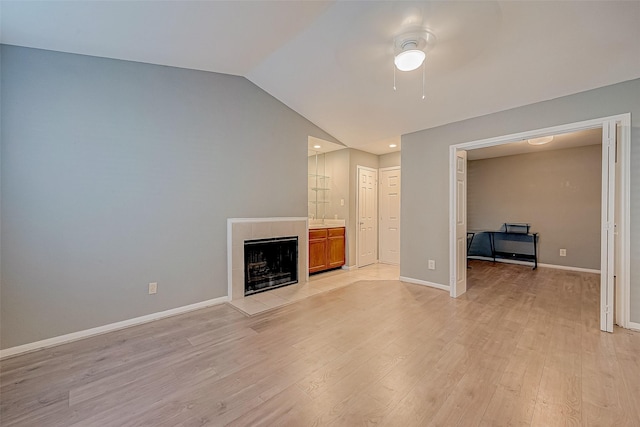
{"x":241,"y":230}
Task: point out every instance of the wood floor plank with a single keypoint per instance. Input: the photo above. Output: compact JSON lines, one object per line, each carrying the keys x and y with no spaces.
{"x":521,"y":347}
{"x":428,"y":395}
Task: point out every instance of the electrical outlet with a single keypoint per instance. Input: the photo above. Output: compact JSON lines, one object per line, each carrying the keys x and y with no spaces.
{"x":153,"y":288}
{"x":432,"y":264}
{"x":563,"y":252}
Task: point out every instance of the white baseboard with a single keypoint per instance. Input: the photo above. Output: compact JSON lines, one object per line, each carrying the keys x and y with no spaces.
{"x":566,"y":267}
{"x":425,"y":283}
{"x":75,"y":336}
{"x":530,"y":264}
{"x":349,"y":267}
{"x":502,"y":260}
{"x":635,"y":326}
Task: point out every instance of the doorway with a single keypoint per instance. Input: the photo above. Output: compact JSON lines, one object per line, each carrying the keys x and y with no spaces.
{"x":390,"y":188}
{"x":613,"y":149}
{"x":367,"y":208}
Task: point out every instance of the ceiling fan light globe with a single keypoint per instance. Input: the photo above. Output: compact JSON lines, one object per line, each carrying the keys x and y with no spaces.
{"x":409,"y":60}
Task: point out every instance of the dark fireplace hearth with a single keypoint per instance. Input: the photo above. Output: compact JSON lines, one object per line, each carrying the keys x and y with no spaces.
{"x":270,"y":263}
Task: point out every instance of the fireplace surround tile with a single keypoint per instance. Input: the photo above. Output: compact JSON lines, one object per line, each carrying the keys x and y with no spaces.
{"x":250,"y":306}
{"x":238,"y":283}
{"x":261,"y":230}
{"x":318,"y":284}
{"x":284,"y":228}
{"x":269,"y":298}
{"x":241,"y":229}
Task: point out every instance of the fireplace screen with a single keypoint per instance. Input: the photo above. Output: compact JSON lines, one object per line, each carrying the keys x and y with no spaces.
{"x":270,"y":264}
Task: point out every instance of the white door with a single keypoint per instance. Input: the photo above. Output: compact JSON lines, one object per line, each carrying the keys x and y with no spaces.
{"x":367,"y":239}
{"x":390,"y":215}
{"x":619,"y":307}
{"x":607,"y":266}
{"x":459,"y":287}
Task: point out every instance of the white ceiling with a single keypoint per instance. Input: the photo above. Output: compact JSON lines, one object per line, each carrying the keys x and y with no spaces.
{"x":332,"y":61}
{"x":559,"y":142}
{"x":317,"y":146}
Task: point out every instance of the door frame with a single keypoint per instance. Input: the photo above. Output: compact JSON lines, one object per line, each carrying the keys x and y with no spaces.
{"x":380,"y":170}
{"x":357,"y":216}
{"x":624,"y":144}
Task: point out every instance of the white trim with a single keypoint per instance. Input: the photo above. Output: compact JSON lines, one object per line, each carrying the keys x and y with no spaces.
{"x":607,"y":221}
{"x":530,"y":263}
{"x":424,"y":283}
{"x":633,"y":325}
{"x":75,"y":336}
{"x":453,"y":258}
{"x":570,"y":268}
{"x":554,"y":130}
{"x":274,"y":219}
{"x":230,"y":222}
{"x":390,"y":168}
{"x":625,"y":221}
{"x":625,"y":122}
{"x":349,"y":267}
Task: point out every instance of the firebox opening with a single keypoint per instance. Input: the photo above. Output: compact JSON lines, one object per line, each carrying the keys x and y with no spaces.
{"x":270,"y":263}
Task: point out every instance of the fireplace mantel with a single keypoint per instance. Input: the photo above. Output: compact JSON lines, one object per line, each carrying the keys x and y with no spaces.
{"x":241,"y":229}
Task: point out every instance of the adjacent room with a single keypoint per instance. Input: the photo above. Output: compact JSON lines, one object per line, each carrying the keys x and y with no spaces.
{"x":554,"y":187}
{"x":319,"y":213}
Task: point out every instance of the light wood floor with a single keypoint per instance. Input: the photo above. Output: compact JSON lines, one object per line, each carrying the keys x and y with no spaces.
{"x":522,"y":347}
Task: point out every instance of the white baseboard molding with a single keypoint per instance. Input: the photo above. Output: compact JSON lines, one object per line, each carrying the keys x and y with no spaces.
{"x":567,"y":267}
{"x":635,"y":326}
{"x":530,"y":264}
{"x":75,"y":336}
{"x":425,"y":283}
{"x":349,"y":267}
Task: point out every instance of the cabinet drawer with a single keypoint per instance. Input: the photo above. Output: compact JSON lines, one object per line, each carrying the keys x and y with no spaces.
{"x":336,"y":232}
{"x":320,"y":233}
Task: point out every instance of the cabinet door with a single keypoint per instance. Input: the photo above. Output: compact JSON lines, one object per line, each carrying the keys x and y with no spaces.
{"x":335,"y":248}
{"x":317,"y":250}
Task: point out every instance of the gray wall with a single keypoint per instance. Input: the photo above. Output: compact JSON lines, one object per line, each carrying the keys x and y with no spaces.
{"x":116,"y":174}
{"x":557,"y":192}
{"x":425,"y":173}
{"x":390,"y":160}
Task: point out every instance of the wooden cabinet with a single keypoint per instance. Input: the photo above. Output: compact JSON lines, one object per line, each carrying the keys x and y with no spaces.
{"x":335,"y":247}
{"x":317,"y":250}
{"x":326,"y":249}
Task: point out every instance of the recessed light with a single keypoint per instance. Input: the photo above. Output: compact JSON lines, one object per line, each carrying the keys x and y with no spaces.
{"x":393,"y":145}
{"x":317,"y":146}
{"x":540,"y":141}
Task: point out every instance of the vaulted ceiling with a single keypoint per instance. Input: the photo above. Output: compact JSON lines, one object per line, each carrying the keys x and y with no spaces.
{"x":332,"y":62}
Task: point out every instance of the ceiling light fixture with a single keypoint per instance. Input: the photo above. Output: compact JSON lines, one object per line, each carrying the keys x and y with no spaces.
{"x":393,"y":145}
{"x":410,"y":58}
{"x":317,"y":146}
{"x":410,"y":50}
{"x":540,"y":141}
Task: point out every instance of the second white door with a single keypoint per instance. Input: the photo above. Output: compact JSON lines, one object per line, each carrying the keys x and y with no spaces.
{"x":390,"y":215}
{"x":367,"y":240}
